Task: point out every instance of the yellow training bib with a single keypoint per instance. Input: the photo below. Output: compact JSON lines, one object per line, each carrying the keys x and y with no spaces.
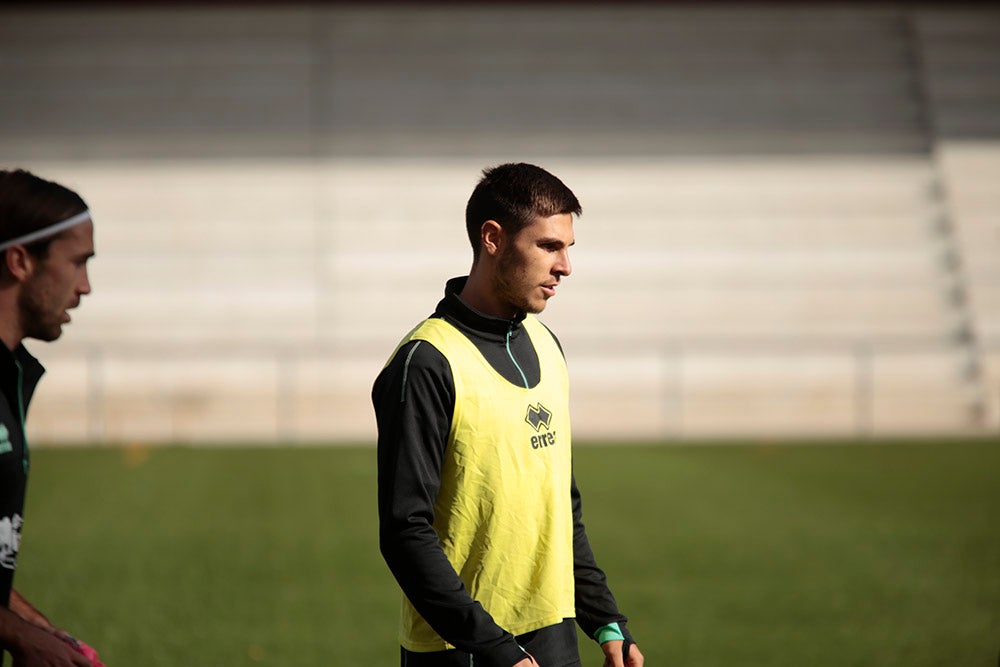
{"x":504,"y":514}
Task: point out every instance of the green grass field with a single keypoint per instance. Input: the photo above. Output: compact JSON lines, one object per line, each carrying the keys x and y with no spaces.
{"x":873,"y":554}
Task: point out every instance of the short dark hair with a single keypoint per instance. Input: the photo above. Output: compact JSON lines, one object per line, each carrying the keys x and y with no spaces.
{"x":513,"y":195}
{"x":29,"y":203}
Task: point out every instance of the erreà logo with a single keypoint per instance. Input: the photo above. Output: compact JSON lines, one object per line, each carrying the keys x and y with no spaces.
{"x":10,"y":540}
{"x":538,"y":416}
{"x":5,"y":444}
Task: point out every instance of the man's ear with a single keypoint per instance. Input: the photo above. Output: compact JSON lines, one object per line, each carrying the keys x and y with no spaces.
{"x":491,"y":237}
{"x":19,"y":264}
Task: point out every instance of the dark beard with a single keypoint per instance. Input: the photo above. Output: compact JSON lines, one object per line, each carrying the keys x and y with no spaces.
{"x":35,"y":317}
{"x":507,"y":284}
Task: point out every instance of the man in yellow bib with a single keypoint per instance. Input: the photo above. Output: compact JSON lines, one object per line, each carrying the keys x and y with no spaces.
{"x":480,"y":517}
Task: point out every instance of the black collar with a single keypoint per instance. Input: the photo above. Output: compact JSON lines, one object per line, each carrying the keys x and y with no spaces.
{"x":31,"y":368}
{"x":461,"y":314}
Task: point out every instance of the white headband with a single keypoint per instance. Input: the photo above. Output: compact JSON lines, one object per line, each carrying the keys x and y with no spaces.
{"x":45,"y":232}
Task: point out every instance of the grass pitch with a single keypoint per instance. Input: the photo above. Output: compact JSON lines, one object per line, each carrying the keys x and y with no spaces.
{"x":835,"y":555}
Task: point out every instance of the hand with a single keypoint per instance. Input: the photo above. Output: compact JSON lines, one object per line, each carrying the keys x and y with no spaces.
{"x":63,"y":635}
{"x":613,"y":655}
{"x":90,"y":654}
{"x":527,"y":662}
{"x":36,"y":647}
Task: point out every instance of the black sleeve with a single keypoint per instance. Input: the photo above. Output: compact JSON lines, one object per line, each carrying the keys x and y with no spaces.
{"x":414,"y":399}
{"x":595,"y":605}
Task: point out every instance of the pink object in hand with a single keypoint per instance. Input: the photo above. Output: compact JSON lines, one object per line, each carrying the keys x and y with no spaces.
{"x":90,"y":654}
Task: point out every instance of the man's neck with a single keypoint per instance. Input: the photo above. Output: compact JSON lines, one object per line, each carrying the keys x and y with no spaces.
{"x":478,"y":294}
{"x":10,"y":327}
{"x":10,"y":342}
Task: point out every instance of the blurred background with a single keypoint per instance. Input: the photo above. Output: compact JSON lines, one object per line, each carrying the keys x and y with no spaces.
{"x":791,"y":212}
{"x":791,"y":232}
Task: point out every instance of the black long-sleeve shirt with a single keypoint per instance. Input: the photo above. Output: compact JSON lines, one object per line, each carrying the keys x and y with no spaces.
{"x":19,"y":373}
{"x":414,"y":399}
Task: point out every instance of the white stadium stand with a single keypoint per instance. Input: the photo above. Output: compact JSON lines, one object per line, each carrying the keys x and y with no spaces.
{"x":791,"y":215}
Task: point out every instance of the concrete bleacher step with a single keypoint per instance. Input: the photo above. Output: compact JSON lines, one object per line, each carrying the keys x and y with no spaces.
{"x":229,"y":394}
{"x":986,"y":307}
{"x":961,"y":52}
{"x":639,"y":65}
{"x":165,"y":75}
{"x":280,"y":196}
{"x":750,"y":269}
{"x":960,"y":55}
{"x":788,"y":313}
{"x":770,"y":393}
{"x":650,"y":271}
{"x":177,"y":319}
{"x":741,"y":230}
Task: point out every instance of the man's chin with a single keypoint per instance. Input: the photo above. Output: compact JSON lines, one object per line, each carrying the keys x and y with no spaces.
{"x":47,"y":335}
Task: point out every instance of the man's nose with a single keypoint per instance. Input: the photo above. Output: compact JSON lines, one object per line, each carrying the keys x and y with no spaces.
{"x":564,"y":267}
{"x":84,"y":285}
